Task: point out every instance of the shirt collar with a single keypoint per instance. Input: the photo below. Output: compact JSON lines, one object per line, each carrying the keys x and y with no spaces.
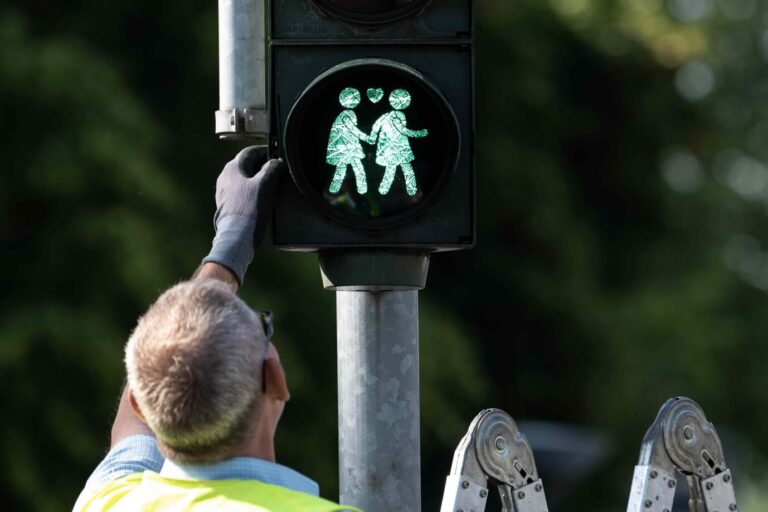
{"x":242,"y":468}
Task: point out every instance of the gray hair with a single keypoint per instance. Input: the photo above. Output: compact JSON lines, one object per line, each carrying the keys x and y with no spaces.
{"x":194,"y":365}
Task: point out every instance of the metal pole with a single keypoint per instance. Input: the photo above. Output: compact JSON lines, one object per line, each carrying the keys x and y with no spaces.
{"x":378,"y":371}
{"x":242,"y":69}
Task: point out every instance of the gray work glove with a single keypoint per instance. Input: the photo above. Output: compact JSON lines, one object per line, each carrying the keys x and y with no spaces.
{"x":245,"y":194}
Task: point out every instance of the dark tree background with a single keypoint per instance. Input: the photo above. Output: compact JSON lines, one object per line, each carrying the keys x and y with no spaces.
{"x":622,"y":200}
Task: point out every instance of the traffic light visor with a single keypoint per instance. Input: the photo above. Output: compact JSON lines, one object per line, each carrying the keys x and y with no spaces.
{"x":371,"y":11}
{"x":371,"y":143}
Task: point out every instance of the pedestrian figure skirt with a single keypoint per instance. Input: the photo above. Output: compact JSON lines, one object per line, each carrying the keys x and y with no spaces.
{"x":389,"y":133}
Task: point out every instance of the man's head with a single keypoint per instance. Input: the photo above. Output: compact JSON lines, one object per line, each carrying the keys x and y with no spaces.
{"x":195,"y":363}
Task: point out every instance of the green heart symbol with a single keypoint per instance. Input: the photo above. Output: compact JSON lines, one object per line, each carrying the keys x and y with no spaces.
{"x":375,"y":95}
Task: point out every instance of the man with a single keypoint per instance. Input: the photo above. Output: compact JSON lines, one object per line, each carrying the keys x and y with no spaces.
{"x":196,"y":422}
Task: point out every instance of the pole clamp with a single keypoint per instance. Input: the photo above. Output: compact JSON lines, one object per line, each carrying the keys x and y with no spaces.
{"x":240,"y":123}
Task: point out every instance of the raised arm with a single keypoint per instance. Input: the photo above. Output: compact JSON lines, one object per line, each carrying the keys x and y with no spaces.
{"x":245,"y":194}
{"x":211,"y":270}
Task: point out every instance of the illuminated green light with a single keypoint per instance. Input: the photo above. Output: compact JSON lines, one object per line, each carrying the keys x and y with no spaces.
{"x":349,"y":97}
{"x":389,"y":133}
{"x":394,"y":148}
{"x":375,"y":95}
{"x":344,"y":146}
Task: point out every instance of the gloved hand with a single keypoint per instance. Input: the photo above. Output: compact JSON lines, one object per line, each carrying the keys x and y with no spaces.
{"x":245,"y":194}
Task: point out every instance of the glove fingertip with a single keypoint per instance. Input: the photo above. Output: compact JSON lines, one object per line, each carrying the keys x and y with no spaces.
{"x":271,"y":170}
{"x":250,"y":160}
{"x":277,"y":165}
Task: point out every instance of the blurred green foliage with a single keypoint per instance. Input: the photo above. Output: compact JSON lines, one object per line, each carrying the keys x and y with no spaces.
{"x":622,"y":188}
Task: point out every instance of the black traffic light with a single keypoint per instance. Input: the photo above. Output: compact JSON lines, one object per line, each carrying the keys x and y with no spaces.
{"x":372,"y":108}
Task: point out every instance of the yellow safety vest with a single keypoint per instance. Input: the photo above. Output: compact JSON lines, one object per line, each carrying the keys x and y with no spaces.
{"x":150,"y":492}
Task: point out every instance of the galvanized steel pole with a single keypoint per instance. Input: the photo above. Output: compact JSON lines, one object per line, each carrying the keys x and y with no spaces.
{"x":242,"y":70}
{"x":378,"y":372}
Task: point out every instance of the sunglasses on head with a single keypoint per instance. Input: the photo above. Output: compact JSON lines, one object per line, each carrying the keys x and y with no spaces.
{"x":266,"y":324}
{"x":265,"y":317}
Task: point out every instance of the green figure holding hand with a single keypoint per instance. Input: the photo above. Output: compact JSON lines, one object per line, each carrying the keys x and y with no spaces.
{"x":344,"y":146}
{"x":394,"y":148}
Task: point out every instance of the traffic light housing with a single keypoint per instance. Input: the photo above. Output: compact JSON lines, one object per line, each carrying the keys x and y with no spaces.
{"x":372,"y":108}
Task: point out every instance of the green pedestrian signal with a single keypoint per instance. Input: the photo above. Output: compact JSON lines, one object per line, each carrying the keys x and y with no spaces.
{"x":372,"y":108}
{"x":389,"y":134}
{"x":344,"y":148}
{"x":393,"y":148}
{"x":357,"y":157}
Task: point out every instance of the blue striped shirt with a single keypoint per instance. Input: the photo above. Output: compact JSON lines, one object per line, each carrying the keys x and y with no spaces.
{"x":139,"y":453}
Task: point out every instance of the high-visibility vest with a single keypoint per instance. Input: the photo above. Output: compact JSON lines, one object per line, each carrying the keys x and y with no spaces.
{"x":149,"y":491}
